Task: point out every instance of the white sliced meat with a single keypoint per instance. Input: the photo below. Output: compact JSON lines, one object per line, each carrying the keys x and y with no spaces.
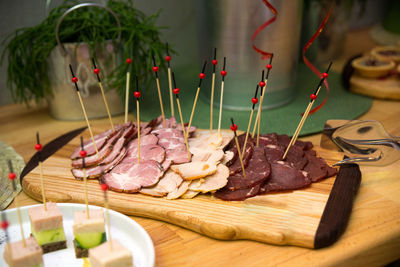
{"x":214,"y":156}
{"x":170,"y":181}
{"x":195,"y":170}
{"x":212,"y":182}
{"x":227,"y":157}
{"x":179,"y":191}
{"x":151,"y":191}
{"x":189,"y":194}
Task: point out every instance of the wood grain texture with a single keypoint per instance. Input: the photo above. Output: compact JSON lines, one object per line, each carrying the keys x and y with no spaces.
{"x":289,"y":218}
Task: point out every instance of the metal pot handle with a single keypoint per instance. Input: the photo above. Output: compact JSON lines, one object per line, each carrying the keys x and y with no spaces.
{"x":63,"y":51}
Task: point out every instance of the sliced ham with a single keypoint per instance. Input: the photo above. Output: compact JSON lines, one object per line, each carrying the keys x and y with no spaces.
{"x":179,"y":191}
{"x":177,"y":156}
{"x":149,"y":139}
{"x":147,"y":152}
{"x":194,"y":170}
{"x":172,"y":143}
{"x":212,"y":182}
{"x":165,"y":133}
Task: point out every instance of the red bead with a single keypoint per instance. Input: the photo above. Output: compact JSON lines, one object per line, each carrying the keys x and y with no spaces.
{"x":313,"y":96}
{"x":325,"y":75}
{"x":254,"y":100}
{"x":223,"y":73}
{"x":96,"y":71}
{"x":104,"y":187}
{"x":233,"y":127}
{"x":214,"y":62}
{"x":167,"y":58}
{"x":155,"y":68}
{"x":38,"y":147}
{"x":12,"y":176}
{"x":202,"y":75}
{"x":4,"y":225}
{"x":269,"y":66}
{"x":128,"y":60}
{"x":261,"y":84}
{"x":175,"y":91}
{"x":137,"y":94}
{"x":82,"y":153}
{"x":74,"y":79}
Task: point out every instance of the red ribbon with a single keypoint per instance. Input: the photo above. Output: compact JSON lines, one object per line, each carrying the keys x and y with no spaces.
{"x":310,"y":65}
{"x":264,"y":54}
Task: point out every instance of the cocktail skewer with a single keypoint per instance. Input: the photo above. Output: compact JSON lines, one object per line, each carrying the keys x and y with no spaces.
{"x":262,"y":85}
{"x":12,"y":176}
{"x":104,"y":188}
{"x":4,"y":225}
{"x":234,"y":128}
{"x":304,"y":117}
{"x":38,"y":148}
{"x":155,"y":70}
{"x":223,"y":74}
{"x":75,"y":81}
{"x":97,"y":71}
{"x":201,"y":76}
{"x":128,"y":78}
{"x":83,"y":154}
{"x":171,"y":99}
{"x":254,"y":100}
{"x":137,"y":94}
{"x":176,"y":92}
{"x":214,"y":62}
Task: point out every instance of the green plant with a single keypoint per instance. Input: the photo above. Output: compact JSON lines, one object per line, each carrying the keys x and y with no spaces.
{"x":27,"y":49}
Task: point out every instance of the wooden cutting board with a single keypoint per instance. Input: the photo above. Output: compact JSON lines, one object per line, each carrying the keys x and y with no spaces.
{"x":289,"y":218}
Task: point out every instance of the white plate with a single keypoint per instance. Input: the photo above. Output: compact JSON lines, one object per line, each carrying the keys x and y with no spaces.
{"x":124,"y":229}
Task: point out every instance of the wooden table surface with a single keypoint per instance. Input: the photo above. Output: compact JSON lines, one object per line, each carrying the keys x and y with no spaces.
{"x":372,"y":237}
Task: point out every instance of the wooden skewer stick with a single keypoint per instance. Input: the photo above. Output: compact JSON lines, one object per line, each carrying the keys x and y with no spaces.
{"x":83,"y":154}
{"x":38,"y":148}
{"x":104,"y":188}
{"x":214,"y":62}
{"x":262,"y":85}
{"x":75,"y":81}
{"x":171,"y":99}
{"x":137,"y":94}
{"x":304,"y":117}
{"x":97,"y":71}
{"x":12,"y":176}
{"x":155,"y":69}
{"x":128,"y":78}
{"x":234,"y":128}
{"x":201,"y":76}
{"x":254,"y":100}
{"x":223,"y":74}
{"x":176,"y":92}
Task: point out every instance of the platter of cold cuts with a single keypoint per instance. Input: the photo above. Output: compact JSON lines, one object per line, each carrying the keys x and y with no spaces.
{"x":272,"y":200}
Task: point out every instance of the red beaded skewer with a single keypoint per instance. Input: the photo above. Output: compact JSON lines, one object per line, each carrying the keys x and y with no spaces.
{"x":128,"y":78}
{"x":176,"y":92}
{"x":12,"y":176}
{"x":223,"y":74}
{"x":234,"y":128}
{"x":171,"y":100}
{"x":313,"y":97}
{"x":137,"y":95}
{"x":97,"y":71}
{"x":254,"y":100}
{"x":155,"y":70}
{"x":214,"y":62}
{"x":201,"y":76}
{"x":4,"y":225}
{"x":104,"y":188}
{"x":83,"y":155}
{"x":38,"y":148}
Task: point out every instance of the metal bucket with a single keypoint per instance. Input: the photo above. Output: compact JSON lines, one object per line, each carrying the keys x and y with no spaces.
{"x":64,"y":105}
{"x":228,"y":25}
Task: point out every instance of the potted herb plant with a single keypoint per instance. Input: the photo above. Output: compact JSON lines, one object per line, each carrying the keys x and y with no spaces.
{"x":38,"y":65}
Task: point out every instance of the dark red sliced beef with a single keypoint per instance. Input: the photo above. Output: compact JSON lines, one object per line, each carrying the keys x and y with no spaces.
{"x":237,"y":195}
{"x":296,"y":157}
{"x":317,"y":168}
{"x":273,"y":153}
{"x":257,"y":172}
{"x":268,"y":139}
{"x":284,"y":140}
{"x":236,"y":166}
{"x":285,"y":177}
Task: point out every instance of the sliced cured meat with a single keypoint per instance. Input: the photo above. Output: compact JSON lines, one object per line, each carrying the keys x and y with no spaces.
{"x":177,"y":156}
{"x":257,"y":172}
{"x":317,"y":168}
{"x":274,"y":153}
{"x":192,"y":129}
{"x":237,"y":195}
{"x":268,"y":139}
{"x":169,"y":182}
{"x":296,"y":158}
{"x":284,"y":140}
{"x":212,"y":182}
{"x":285,"y":177}
{"x":96,"y":171}
{"x":149,"y":139}
{"x":147,"y":152}
{"x":165,"y":133}
{"x":172,"y":143}
{"x":166,"y":164}
{"x":194,"y":170}
{"x":103,"y":153}
{"x":189,"y":194}
{"x":179,"y":191}
{"x":227,"y":157}
{"x":236,"y":166}
{"x":214,"y":156}
{"x":130,"y":178}
{"x":150,"y":191}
